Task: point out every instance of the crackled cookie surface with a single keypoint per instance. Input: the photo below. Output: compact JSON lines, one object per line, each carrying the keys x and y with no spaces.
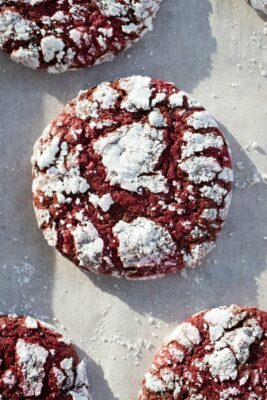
{"x":61,"y":35}
{"x":37,"y":362}
{"x":132,"y":179}
{"x":220,"y":354}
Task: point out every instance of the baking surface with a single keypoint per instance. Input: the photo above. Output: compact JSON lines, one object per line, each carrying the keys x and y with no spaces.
{"x":215,"y":50}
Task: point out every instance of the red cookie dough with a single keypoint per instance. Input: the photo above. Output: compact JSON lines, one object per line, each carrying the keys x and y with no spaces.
{"x":132,"y":179}
{"x":61,"y":35}
{"x":220,"y":354}
{"x":38,"y":363}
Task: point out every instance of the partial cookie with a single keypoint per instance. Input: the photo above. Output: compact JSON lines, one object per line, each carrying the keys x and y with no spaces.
{"x":37,"y":362}
{"x":260,"y":5}
{"x":132,"y":179}
{"x":61,"y":35}
{"x":220,"y":354}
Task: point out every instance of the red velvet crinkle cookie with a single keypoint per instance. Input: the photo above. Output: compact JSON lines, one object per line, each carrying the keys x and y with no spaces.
{"x":219,"y":354}
{"x":132,"y":179}
{"x":38,"y":363}
{"x":61,"y":35}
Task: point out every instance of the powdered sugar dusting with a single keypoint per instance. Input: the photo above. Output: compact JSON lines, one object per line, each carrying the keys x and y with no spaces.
{"x":187,"y":335}
{"x":88,"y":244}
{"x":222,"y":364}
{"x":104,"y":202}
{"x":105,"y":96}
{"x":260,"y":5}
{"x":81,"y":383}
{"x":142,"y":242}
{"x":138,"y":90}
{"x":127,"y":164}
{"x":177,"y":100}
{"x":202,"y":119}
{"x":154,"y":384}
{"x":9,"y":378}
{"x":47,"y":156}
{"x":31,"y":359}
{"x":225,"y":317}
{"x":58,"y":179}
{"x":31,"y":323}
{"x":197,"y":142}
{"x":201,"y":169}
{"x":215,"y":193}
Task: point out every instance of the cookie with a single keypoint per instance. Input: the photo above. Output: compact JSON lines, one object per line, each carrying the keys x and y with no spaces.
{"x":37,"y":362}
{"x":132,"y":179}
{"x":61,"y":35}
{"x":220,"y":354}
{"x":260,"y":5}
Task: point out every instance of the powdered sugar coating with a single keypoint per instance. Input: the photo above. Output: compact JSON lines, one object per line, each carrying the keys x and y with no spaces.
{"x":122,"y":147}
{"x":224,"y":358}
{"x":71,"y":34}
{"x":132,"y":179}
{"x":186,"y":334}
{"x":143,"y":243}
{"x":260,"y":5}
{"x":33,"y":361}
{"x":89,"y":246}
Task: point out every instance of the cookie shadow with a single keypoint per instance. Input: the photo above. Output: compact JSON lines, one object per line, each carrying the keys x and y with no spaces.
{"x":259,"y":12}
{"x":98,"y":385}
{"x":26,"y":261}
{"x":229,"y":274}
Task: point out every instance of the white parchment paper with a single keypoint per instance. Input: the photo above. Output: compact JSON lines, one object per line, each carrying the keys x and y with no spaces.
{"x":217,"y":51}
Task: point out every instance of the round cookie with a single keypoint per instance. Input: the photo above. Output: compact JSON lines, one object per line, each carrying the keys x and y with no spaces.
{"x":38,"y":363}
{"x":220,"y":354}
{"x":132,"y":179}
{"x":61,"y":35}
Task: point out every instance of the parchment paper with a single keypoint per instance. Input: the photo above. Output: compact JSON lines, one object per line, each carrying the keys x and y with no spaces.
{"x":215,"y":50}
